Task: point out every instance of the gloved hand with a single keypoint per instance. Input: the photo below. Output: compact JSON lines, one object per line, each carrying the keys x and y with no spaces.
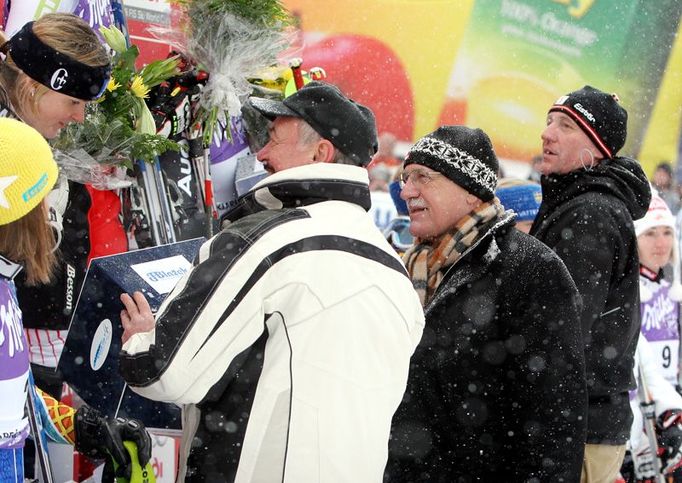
{"x":100,"y":437}
{"x":669,"y":429}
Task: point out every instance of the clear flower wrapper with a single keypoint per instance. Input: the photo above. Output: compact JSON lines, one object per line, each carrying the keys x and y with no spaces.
{"x":95,"y":152}
{"x":106,"y":174}
{"x":231,"y":49}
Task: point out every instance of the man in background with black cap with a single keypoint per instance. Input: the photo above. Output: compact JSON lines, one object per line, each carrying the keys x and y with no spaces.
{"x":590,"y":198}
{"x":496,"y":390}
{"x":288,"y":345}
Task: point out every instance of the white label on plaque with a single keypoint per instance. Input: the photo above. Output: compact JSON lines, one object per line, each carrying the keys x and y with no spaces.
{"x":164,"y":273}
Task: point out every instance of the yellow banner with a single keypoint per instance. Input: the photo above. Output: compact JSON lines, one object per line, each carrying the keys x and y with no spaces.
{"x":399,"y":56}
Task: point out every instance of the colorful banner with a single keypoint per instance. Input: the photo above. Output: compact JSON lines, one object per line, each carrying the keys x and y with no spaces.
{"x":551,"y":48}
{"x":494,"y":64}
{"x":499,"y":64}
{"x":95,"y":12}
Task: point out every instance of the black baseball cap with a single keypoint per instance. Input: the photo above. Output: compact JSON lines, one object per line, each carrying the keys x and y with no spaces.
{"x":349,"y":126}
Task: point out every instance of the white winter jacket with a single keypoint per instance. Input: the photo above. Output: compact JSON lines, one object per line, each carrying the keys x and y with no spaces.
{"x":289,"y":342}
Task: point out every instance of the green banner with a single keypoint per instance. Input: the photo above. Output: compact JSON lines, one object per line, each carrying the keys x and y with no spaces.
{"x":518,"y":56}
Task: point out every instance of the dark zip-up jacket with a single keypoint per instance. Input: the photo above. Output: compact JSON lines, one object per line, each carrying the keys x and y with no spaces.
{"x":586,"y":217}
{"x":496,"y":390}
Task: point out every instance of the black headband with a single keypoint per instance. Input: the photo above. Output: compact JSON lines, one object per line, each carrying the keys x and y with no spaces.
{"x":55,"y":70}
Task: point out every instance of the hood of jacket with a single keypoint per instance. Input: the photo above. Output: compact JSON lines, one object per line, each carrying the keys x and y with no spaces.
{"x":621,"y":177}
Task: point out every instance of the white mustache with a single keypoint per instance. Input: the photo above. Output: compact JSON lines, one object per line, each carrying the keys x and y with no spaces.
{"x":415,"y":203}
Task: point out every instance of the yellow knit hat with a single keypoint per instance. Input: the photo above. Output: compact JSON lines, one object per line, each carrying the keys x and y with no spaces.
{"x":27,"y":170}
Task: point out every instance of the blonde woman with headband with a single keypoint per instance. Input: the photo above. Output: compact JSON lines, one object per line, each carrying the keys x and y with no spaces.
{"x":52,"y":68}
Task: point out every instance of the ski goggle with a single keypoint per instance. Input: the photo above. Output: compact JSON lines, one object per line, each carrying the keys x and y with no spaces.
{"x":398,"y":233}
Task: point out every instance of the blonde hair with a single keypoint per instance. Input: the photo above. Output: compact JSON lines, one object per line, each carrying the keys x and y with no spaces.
{"x":65,"y":33}
{"x":30,"y":241}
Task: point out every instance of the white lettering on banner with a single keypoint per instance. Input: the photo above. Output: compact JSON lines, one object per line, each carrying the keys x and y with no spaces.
{"x":528,"y":18}
{"x":163,"y":274}
{"x":10,"y":323}
{"x":220,"y":131}
{"x":519,"y":11}
{"x":155,"y":5}
{"x":98,"y":10}
{"x":582,"y":36}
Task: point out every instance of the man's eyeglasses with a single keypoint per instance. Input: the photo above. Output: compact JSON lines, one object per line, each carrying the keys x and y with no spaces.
{"x":418,"y":177}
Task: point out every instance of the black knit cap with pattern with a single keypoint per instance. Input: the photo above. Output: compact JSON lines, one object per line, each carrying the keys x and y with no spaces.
{"x":599,"y":115}
{"x":462,"y":154}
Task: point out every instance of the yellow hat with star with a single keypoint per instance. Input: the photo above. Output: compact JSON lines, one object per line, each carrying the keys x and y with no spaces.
{"x":27,"y":169}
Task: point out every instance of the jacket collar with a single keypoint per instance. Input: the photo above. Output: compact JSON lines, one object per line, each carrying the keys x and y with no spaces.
{"x":302,"y":186}
{"x":9,"y":269}
{"x":620,"y":177}
{"x":462,"y":273}
{"x":650,"y":274}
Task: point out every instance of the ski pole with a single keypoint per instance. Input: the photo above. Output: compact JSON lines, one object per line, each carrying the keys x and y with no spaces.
{"x":38,"y":434}
{"x":647,"y":404}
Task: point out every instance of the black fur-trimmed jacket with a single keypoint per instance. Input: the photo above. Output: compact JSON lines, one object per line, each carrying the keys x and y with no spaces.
{"x":496,"y":390}
{"x":586,"y":217}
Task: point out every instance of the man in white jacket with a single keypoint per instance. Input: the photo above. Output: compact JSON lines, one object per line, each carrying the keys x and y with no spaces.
{"x":288,"y":344}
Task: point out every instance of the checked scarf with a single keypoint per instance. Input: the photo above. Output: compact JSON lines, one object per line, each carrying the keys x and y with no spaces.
{"x":427,"y":261}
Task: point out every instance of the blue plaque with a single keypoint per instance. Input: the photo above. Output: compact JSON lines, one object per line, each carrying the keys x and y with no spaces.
{"x":90,"y":358}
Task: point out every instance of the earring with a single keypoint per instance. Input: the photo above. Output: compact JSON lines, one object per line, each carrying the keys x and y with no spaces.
{"x":580,"y":155}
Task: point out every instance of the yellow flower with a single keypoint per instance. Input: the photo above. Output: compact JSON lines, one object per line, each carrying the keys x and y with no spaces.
{"x":113,"y":85}
{"x":138,"y":88}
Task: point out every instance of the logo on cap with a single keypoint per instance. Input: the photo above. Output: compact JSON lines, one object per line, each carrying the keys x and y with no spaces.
{"x":59,"y":79}
{"x":579,"y":107}
{"x":561,"y":100}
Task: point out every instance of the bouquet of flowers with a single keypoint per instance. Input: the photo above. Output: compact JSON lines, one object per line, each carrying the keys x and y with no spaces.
{"x":232,"y":40}
{"x":118,"y":127}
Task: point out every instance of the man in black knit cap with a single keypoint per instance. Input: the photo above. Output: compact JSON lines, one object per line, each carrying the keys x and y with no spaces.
{"x":590,"y":198}
{"x":496,"y":390}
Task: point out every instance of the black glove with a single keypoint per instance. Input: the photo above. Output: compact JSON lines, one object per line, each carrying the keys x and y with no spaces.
{"x":669,"y":429}
{"x":100,"y":437}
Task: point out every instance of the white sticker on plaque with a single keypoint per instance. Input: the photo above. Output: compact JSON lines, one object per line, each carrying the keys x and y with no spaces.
{"x":164,"y":273}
